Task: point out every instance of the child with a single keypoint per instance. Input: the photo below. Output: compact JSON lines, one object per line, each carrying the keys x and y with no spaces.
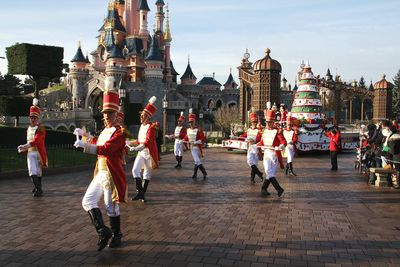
{"x":252,"y":160}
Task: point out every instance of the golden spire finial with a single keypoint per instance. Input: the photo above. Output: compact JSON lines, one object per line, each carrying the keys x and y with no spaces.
{"x":79,"y":44}
{"x":167,"y":34}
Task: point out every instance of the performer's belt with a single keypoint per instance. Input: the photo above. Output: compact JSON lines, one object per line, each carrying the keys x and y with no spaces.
{"x":102,"y":164}
{"x":32,"y":148}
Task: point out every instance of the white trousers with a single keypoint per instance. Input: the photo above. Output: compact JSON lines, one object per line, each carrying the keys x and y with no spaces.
{"x":178,"y":148}
{"x":100,"y":185}
{"x":289,"y":152}
{"x":34,"y":167}
{"x":143,"y":160}
{"x":196,"y":154}
{"x":270,"y":162}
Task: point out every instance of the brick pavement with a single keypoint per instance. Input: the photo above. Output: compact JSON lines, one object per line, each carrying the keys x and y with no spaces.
{"x":324,"y":219}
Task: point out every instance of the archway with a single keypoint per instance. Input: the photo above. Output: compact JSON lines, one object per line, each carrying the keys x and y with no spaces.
{"x":218,"y":104}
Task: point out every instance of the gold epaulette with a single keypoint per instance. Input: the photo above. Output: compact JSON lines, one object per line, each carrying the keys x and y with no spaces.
{"x":41,"y":128}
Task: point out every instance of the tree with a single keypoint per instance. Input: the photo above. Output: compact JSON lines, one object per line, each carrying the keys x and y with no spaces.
{"x":361,"y":83}
{"x":225,"y":117}
{"x":396,"y":96}
{"x":9,"y":85}
{"x":38,"y":61}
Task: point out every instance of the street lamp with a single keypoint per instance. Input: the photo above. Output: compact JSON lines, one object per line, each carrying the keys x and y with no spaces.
{"x":165,"y":106}
{"x":122,"y":96}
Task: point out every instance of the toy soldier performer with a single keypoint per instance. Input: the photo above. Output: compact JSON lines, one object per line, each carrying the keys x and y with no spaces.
{"x":291,"y":138}
{"x":109,"y":176}
{"x":179,"y":134}
{"x":253,"y":136}
{"x":37,"y":156}
{"x":272,"y":141}
{"x":146,"y":146}
{"x":195,"y":138}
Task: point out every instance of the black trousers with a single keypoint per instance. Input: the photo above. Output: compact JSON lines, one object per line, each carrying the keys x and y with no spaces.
{"x":334,"y":160}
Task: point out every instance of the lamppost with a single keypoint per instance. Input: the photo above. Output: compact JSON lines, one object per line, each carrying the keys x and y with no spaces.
{"x":201,"y":120}
{"x":122,"y":96}
{"x":165,"y":106}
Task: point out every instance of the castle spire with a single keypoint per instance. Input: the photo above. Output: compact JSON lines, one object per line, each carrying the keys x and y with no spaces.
{"x":167,"y":34}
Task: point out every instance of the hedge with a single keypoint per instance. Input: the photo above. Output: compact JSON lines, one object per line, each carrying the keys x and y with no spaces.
{"x":14,"y":136}
{"x":35,"y":60}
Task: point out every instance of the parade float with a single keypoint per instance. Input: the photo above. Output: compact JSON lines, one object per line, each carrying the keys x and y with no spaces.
{"x":307,"y":115}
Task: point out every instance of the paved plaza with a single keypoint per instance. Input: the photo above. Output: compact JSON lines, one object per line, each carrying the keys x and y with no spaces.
{"x":324,"y":218}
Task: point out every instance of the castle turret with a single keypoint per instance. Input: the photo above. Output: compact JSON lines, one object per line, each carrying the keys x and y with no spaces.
{"x":154,"y":61}
{"x":115,"y":62}
{"x":131,"y":17}
{"x":143,"y":10}
{"x":160,"y":15}
{"x":188,"y":78}
{"x":383,"y":99}
{"x":230,"y":82}
{"x":267,"y":81}
{"x":77,"y":78}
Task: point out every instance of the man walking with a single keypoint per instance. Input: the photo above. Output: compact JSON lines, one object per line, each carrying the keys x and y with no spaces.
{"x":35,"y":148}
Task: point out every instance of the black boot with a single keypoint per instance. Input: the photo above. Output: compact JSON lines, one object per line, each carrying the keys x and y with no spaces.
{"x":177,"y":159}
{"x":194,"y":176}
{"x":287,"y":169}
{"x":179,"y":162}
{"x":278,"y":188}
{"x":34,"y":182}
{"x":116,"y":230}
{"x":264,"y":187}
{"x":203,"y":170}
{"x":146,"y":184}
{"x":139,"y":188}
{"x":104,"y":232}
{"x":291,"y":172}
{"x":252,"y":175}
{"x":39,"y":191}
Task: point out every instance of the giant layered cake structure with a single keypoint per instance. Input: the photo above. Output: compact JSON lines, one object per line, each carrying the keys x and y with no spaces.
{"x":307,"y":104}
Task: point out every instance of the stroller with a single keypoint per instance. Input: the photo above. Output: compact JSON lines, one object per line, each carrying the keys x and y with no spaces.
{"x":363,"y":159}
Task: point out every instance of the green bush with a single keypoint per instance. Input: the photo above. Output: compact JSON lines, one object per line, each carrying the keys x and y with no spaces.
{"x":14,"y":136}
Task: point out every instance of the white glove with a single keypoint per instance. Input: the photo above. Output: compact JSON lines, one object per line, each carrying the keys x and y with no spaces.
{"x":137,"y":148}
{"x":79,"y":143}
{"x":197,"y":142}
{"x":132,"y":148}
{"x":23,"y":147}
{"x":80,"y":132}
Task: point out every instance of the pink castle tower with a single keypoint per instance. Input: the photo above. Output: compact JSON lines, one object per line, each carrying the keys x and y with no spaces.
{"x":124,"y":41}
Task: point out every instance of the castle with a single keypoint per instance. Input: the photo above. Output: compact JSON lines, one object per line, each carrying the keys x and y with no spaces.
{"x":141,"y":64}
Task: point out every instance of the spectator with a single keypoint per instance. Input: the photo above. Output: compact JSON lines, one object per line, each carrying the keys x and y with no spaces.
{"x":334,"y":146}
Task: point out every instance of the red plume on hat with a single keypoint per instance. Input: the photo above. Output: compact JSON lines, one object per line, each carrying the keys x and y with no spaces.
{"x":192,"y":116}
{"x":181,"y":117}
{"x":34,"y":110}
{"x":150,"y":108}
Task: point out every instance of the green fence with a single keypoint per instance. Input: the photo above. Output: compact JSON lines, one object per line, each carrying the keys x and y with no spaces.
{"x":58,"y":156}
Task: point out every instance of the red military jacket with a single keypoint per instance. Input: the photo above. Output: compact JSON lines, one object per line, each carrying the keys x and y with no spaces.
{"x":195,"y":134}
{"x":287,"y":133}
{"x":38,"y":143}
{"x":150,"y":140}
{"x":250,"y":132}
{"x":113,"y":150}
{"x":182,"y":132}
{"x":278,"y":140}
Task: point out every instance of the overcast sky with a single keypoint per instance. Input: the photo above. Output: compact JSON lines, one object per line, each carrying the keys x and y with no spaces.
{"x":353,"y":38}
